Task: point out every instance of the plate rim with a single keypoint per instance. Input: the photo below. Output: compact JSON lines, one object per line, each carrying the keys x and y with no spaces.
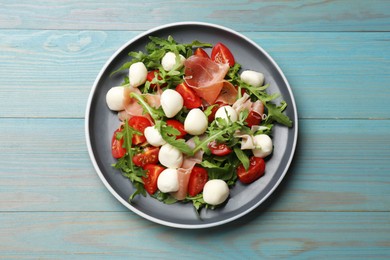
{"x":139,"y":212}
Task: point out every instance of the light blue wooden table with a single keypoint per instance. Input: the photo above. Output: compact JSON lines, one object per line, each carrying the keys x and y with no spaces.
{"x":334,"y":201}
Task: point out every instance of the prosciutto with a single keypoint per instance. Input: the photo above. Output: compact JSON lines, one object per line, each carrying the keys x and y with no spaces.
{"x":228,"y":93}
{"x":133,"y":108}
{"x":184,"y":172}
{"x":205,"y":76}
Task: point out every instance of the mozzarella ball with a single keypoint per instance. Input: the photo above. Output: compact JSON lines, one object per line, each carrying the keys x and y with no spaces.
{"x":253,"y":78}
{"x":137,"y":74}
{"x":114,"y":98}
{"x":227,"y":113}
{"x":169,"y":61}
{"x":170,"y":156}
{"x":171,"y":102}
{"x":215,"y":192}
{"x":153,"y":136}
{"x":168,"y":181}
{"x":263,"y":144}
{"x":196,"y":122}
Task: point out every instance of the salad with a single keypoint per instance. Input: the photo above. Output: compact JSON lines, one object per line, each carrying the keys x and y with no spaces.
{"x":192,"y":124}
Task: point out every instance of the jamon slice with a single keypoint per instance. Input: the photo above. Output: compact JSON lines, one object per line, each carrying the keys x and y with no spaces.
{"x":185,"y":171}
{"x":205,"y":76}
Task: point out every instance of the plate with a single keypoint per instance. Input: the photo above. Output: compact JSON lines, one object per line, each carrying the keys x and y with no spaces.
{"x":100,"y":123}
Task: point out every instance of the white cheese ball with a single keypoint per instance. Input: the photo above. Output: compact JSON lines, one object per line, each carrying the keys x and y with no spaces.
{"x":227,"y":113}
{"x":137,"y":74}
{"x":114,"y":98}
{"x":171,"y":102}
{"x":153,"y":136}
{"x":263,"y":144}
{"x":168,"y":181}
{"x":253,"y":78}
{"x":215,"y":192}
{"x":196,"y":122}
{"x":169,"y":61}
{"x":170,"y":156}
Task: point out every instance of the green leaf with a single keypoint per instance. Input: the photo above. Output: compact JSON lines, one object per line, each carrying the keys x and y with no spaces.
{"x":125,"y":164}
{"x":276,"y":113}
{"x":169,"y":135}
{"x":156,"y":114}
{"x":242,"y":157}
{"x":164,"y":197}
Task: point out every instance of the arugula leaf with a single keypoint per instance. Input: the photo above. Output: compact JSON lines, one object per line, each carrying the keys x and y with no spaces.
{"x":164,"y":197}
{"x":242,"y":157}
{"x":219,"y":170}
{"x":125,"y":164}
{"x":276,"y":113}
{"x":170,"y":44}
{"x":198,"y":202}
{"x":169,"y":133}
{"x":155,"y":113}
{"x":156,"y":49}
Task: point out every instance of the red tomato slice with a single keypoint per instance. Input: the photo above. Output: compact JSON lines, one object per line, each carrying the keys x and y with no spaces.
{"x":151,"y":75}
{"x":255,"y":171}
{"x":117,"y":146}
{"x":152,"y":173}
{"x":191,"y":99}
{"x":179,"y":126}
{"x":148,"y":156}
{"x":198,"y":179}
{"x":219,"y":149}
{"x":253,"y":119}
{"x":217,"y":105}
{"x":221,"y":54}
{"x":139,"y":123}
{"x":202,"y":53}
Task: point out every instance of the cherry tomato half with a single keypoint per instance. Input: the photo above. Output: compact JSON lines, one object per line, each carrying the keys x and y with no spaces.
{"x":201,"y":53}
{"x":179,"y":126}
{"x":152,"y":173}
{"x":221,"y":54}
{"x":253,"y":118}
{"x":217,"y":105}
{"x":148,"y":156}
{"x":117,"y":146}
{"x":255,"y":171}
{"x":151,"y":75}
{"x":219,"y":149}
{"x":139,"y":123}
{"x":198,"y":179}
{"x":191,"y":99}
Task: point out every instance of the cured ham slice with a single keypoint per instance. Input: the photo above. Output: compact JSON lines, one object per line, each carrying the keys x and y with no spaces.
{"x":184,"y":176}
{"x":133,"y":108}
{"x":131,"y":105}
{"x":242,"y":103}
{"x":228,"y":94}
{"x":258,"y":107}
{"x":205,"y":76}
{"x":185,"y":171}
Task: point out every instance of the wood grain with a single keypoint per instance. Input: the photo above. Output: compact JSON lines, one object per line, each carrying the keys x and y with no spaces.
{"x":333,"y":75}
{"x":45,"y":167}
{"x":313,"y":15}
{"x":279,"y":235}
{"x":334,"y":202}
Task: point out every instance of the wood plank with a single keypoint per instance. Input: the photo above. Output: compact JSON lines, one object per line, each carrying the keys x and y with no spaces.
{"x":314,"y":15}
{"x":340,"y":165}
{"x":337,"y":72}
{"x":56,"y":235}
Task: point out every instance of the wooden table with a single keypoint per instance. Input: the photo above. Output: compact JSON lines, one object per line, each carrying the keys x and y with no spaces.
{"x":334,"y":201}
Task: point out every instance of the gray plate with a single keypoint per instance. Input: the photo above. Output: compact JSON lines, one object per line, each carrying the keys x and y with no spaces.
{"x":101,"y":123}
